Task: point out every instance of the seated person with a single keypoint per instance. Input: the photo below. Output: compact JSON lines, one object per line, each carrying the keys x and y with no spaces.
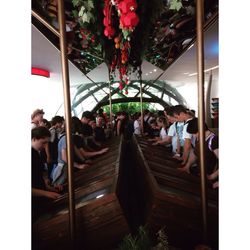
{"x":41,"y":191}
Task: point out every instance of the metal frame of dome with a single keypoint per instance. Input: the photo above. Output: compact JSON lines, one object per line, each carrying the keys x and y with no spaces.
{"x":160,"y":86}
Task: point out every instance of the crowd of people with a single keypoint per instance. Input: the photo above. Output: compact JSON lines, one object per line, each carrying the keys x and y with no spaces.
{"x":175,"y":128}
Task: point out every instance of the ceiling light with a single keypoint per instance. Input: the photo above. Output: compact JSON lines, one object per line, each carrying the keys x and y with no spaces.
{"x":187,"y":41}
{"x":155,"y":70}
{"x":99,"y":196}
{"x":146,"y":74}
{"x":190,"y":46}
{"x":215,"y":67}
{"x":150,"y":72}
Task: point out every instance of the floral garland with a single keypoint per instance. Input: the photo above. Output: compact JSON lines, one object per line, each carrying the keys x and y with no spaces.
{"x":128,"y":20}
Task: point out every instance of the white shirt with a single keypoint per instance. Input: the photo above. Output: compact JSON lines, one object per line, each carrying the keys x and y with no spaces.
{"x":137,"y":128}
{"x":174,"y":134}
{"x":163,"y":133}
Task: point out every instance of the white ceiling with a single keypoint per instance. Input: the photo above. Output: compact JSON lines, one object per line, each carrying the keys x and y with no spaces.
{"x":46,"y":55}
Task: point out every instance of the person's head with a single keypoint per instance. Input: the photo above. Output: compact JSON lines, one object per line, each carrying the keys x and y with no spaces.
{"x":146,"y":112}
{"x":169,"y":113}
{"x":192,"y":127}
{"x":166,"y":110}
{"x":39,"y":137}
{"x":93,"y":124}
{"x":160,"y":113}
{"x":37,"y":116}
{"x":100,"y":111}
{"x":162,"y":121}
{"x":137,"y":116}
{"x":153,"y":124}
{"x":180,"y":113}
{"x":76,"y":125}
{"x":122,"y":115}
{"x":86,"y":116}
{"x":45,"y":123}
{"x":57,"y":122}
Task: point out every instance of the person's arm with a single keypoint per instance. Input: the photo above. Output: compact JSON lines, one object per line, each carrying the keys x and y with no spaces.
{"x":48,"y":157}
{"x":154,"y":139}
{"x":214,"y":175}
{"x":166,"y":140}
{"x":216,"y":152}
{"x":192,"y":158}
{"x":75,"y":164}
{"x":178,"y":144}
{"x":118,"y":128}
{"x":79,"y":154}
{"x":186,"y":150}
{"x":44,"y":193}
{"x":64,"y":155}
{"x":87,"y":154}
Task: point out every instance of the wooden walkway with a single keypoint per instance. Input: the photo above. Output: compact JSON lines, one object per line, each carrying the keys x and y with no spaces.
{"x":100,"y":222}
{"x":173,"y":197}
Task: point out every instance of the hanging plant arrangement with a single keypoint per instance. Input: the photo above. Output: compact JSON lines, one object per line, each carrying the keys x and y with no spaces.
{"x":123,"y":12}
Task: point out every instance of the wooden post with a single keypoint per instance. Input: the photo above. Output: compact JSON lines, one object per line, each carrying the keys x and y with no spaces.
{"x":142,"y":118}
{"x":67,"y":108}
{"x":201,"y":109}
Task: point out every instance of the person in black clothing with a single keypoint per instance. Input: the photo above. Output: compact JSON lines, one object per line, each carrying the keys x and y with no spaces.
{"x":154,"y":131}
{"x":87,"y":131}
{"x":57,"y":126}
{"x":124,"y":125}
{"x":81,"y":155}
{"x":41,"y":191}
{"x":211,"y":149}
{"x":98,"y":131}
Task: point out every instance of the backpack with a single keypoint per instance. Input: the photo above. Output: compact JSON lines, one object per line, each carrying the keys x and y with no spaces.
{"x":146,"y":125}
{"x":210,"y":140}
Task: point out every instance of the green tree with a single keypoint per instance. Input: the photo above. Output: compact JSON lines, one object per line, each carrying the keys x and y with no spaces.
{"x":129,"y":107}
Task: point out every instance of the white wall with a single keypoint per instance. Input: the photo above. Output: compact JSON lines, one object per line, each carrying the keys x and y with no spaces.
{"x":47,"y":95}
{"x":190,"y":91}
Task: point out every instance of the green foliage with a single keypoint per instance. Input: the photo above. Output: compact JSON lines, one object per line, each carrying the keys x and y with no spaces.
{"x":175,"y":5}
{"x":129,"y":107}
{"x":138,"y":242}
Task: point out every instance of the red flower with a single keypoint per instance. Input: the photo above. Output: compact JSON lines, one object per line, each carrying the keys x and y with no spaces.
{"x":106,"y":21}
{"x":127,"y":6}
{"x":120,"y":86}
{"x":109,"y":32}
{"x":129,"y":20}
